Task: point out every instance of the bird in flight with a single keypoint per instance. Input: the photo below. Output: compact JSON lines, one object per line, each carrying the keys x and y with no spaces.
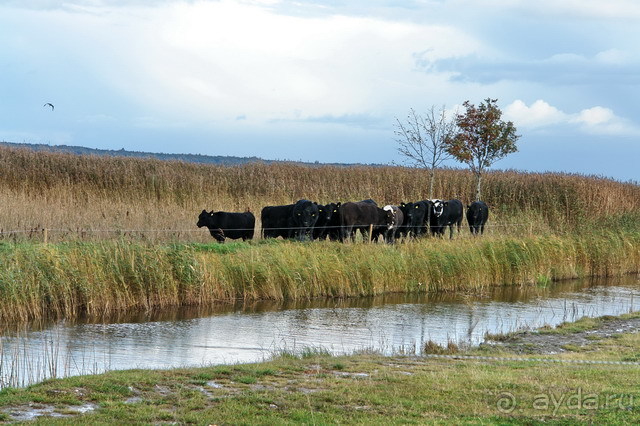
{"x":49,"y":104}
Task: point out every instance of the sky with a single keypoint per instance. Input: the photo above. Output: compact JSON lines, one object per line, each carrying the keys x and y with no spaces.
{"x":323,"y":80}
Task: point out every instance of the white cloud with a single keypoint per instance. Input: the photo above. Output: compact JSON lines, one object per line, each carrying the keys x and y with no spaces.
{"x":539,"y":114}
{"x":595,"y":120}
{"x":594,"y":116}
{"x":210,"y":62}
{"x":614,"y":57}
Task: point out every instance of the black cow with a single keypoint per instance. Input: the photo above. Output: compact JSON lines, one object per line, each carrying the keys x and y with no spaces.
{"x":403,"y":230}
{"x":304,"y":217}
{"x":334,"y":226}
{"x":327,"y":221}
{"x":443,"y":214}
{"x":228,"y":225}
{"x":361,"y":215}
{"x":418,"y":215}
{"x":477,"y":216}
{"x":276,"y":221}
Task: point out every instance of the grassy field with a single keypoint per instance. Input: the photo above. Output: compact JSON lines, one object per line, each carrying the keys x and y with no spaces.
{"x":366,"y":388}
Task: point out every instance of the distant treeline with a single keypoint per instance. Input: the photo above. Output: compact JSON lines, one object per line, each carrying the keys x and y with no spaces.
{"x":220,"y":160}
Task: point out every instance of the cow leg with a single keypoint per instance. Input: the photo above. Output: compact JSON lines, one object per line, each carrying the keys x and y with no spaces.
{"x":345,"y":233}
{"x":218,"y":234}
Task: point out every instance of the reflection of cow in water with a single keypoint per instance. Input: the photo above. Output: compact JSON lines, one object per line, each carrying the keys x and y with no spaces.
{"x":228,"y":225}
{"x":477,"y":216}
{"x":443,"y":214}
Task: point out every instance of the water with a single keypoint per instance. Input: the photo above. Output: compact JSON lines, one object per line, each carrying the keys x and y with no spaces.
{"x":231,"y":334}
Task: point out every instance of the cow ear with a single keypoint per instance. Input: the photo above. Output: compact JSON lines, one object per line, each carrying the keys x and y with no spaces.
{"x":203,"y":211}
{"x":338,"y":204}
{"x":402,"y":204}
{"x":446,"y":203}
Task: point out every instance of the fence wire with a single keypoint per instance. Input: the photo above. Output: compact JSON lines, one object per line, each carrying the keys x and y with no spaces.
{"x":119,"y":230}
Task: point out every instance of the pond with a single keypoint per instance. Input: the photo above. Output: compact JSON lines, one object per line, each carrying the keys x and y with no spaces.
{"x":251,"y":333}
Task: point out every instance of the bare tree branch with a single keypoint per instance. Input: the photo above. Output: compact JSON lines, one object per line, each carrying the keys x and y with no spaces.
{"x":422,"y":139}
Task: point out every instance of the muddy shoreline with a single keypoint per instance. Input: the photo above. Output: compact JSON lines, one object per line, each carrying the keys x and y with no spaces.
{"x":549,"y":341}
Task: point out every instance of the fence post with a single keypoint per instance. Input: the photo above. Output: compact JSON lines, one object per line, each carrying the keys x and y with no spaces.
{"x":45,"y":233}
{"x":370,"y":232}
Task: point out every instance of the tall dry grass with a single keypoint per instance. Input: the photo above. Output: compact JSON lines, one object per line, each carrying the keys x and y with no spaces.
{"x":80,"y":197}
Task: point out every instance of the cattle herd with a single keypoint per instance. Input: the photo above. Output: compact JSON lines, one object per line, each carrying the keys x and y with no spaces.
{"x":307,"y":220}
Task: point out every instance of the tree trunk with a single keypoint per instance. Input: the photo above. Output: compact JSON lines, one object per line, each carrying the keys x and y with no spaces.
{"x":478,"y":185}
{"x":432,"y":178}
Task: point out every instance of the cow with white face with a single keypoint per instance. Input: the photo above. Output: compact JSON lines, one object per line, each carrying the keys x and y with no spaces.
{"x":443,"y":214}
{"x":437,"y":207}
{"x":394,"y":220}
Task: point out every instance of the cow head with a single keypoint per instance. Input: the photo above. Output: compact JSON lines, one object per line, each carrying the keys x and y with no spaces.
{"x":416,"y":213}
{"x":390,"y":217}
{"x":328,"y":211}
{"x":305,"y":214}
{"x":204,"y":218}
{"x":409,"y":208}
{"x":474,"y":211}
{"x":437,"y":207}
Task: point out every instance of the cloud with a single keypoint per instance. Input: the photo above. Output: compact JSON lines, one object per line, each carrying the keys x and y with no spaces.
{"x":539,"y":114}
{"x":612,"y":66}
{"x":354,"y":120}
{"x":214,"y":61}
{"x":596,"y":120}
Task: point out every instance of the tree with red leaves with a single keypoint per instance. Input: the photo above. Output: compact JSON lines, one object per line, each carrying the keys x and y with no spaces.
{"x":482,"y":138}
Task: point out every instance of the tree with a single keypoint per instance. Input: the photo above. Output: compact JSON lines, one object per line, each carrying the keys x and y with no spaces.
{"x":422,"y":139}
{"x":482,"y":138}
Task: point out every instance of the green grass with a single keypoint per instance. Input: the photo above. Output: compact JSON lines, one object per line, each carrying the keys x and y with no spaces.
{"x":66,"y":280}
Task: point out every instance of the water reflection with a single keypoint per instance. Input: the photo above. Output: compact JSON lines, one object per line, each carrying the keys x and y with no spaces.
{"x":252,"y":332}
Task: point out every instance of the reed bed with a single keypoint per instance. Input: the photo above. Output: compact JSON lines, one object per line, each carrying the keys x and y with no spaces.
{"x":96,"y":198}
{"x":68,"y":280}
{"x":122,"y":234}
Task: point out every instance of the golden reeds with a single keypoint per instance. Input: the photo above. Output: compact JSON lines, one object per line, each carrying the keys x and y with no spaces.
{"x":86,"y":197}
